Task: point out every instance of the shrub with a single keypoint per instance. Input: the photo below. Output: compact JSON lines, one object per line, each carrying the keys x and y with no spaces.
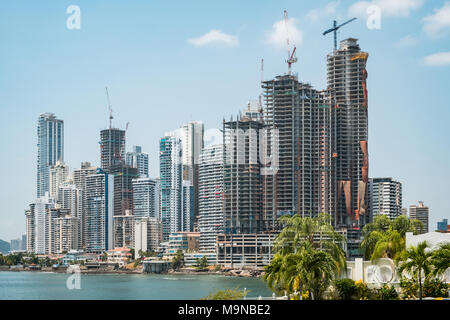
{"x":409,"y":288}
{"x":346,"y":288}
{"x":387,"y":292}
{"x":435,"y":288}
{"x":228,"y":294}
{"x":362,"y":291}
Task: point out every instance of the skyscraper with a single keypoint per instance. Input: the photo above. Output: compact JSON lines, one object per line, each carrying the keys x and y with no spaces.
{"x":58,"y":174}
{"x":346,"y":80}
{"x":210,"y":184}
{"x":79,"y":179}
{"x":420,"y":212}
{"x":146,"y":197}
{"x":123,"y":187}
{"x":191,"y":135}
{"x":385,"y":197}
{"x":99,"y":214}
{"x":242,"y":188}
{"x":38,"y":222}
{"x":112,"y":148}
{"x":297,"y":120}
{"x":170,"y":183}
{"x":187,"y":206}
{"x":138,"y":159}
{"x":50,"y":145}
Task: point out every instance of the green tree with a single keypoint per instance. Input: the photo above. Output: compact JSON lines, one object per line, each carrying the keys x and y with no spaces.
{"x":307,"y":270}
{"x":178,"y":260}
{"x":317,"y":232}
{"x":202,"y":262}
{"x":416,"y":261}
{"x":441,"y":259}
{"x":386,"y":238}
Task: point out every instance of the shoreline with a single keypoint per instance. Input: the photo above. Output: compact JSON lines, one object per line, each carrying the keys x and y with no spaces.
{"x":242,"y":273}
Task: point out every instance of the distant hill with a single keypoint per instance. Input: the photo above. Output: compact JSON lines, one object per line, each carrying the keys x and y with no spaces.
{"x":4,"y":246}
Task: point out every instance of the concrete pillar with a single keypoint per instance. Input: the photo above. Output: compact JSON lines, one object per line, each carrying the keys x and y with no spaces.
{"x":358,"y":272}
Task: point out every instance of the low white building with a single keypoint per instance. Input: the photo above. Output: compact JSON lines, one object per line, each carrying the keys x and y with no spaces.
{"x":434,"y":239}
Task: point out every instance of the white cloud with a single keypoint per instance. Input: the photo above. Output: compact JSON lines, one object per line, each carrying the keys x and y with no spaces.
{"x":389,"y":8}
{"x":437,"y":21}
{"x":277,"y":37}
{"x":438,"y":59}
{"x":215,"y":37}
{"x":328,"y":10}
{"x":406,"y":41}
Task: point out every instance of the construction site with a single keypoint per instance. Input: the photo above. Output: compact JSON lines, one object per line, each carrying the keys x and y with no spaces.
{"x":320,"y":141}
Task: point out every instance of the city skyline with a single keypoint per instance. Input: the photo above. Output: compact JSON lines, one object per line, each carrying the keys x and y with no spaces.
{"x":82,"y":144}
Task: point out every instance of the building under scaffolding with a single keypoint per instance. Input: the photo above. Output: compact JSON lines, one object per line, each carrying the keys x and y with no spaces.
{"x":303,"y":182}
{"x":346,"y":77}
{"x":242,"y":175}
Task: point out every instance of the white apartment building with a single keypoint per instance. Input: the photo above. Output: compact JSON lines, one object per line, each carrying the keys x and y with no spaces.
{"x":210,"y":196}
{"x":385,"y":197}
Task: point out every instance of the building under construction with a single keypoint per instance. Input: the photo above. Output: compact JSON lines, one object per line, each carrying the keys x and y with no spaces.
{"x":242,"y":186}
{"x":346,"y":81}
{"x":112,"y":148}
{"x":303,"y":181}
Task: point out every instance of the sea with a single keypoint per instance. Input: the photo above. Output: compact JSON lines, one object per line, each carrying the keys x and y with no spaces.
{"x":61,"y":286}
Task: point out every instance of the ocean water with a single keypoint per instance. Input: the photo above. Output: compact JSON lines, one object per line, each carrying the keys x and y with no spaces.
{"x":51,"y":286}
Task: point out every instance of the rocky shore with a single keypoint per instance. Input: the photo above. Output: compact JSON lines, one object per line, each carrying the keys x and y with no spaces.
{"x":249,"y":273}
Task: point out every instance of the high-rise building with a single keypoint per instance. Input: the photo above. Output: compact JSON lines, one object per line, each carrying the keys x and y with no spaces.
{"x":187,"y":206}
{"x":420,"y":212}
{"x":70,"y":197}
{"x":346,"y":73}
{"x":298,"y":123}
{"x":99,"y":215}
{"x":385,"y":197}
{"x":66,"y":232}
{"x":79,"y":179}
{"x":138,"y":159}
{"x":58,"y":174}
{"x":191,"y":135}
{"x":124,"y":230}
{"x":210,"y":188}
{"x":146,"y":197}
{"x":170,"y":184}
{"x":38,"y":225}
{"x":242,"y":187}
{"x":123,"y":187}
{"x":346,"y":82}
{"x":147,"y":234}
{"x":50,"y":145}
{"x":112,"y":148}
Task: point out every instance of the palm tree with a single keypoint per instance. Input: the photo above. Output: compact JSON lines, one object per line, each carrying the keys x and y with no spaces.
{"x":308,"y":269}
{"x":441,"y":259}
{"x":390,"y":233}
{"x":389,"y":245}
{"x":416,"y":260}
{"x":317,"y":232}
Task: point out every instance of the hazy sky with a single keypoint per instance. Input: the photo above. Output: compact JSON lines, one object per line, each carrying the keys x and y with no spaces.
{"x":168,"y":63}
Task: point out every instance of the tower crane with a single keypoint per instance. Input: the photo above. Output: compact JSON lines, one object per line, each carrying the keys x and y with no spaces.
{"x":335,"y":29}
{"x":109,"y":108}
{"x":291,"y":57}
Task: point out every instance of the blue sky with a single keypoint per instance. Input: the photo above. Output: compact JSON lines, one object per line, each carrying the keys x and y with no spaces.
{"x":168,"y":63}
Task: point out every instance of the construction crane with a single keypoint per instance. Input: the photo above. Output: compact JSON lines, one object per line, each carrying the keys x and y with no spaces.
{"x":109,"y":108}
{"x":335,"y":28}
{"x":291,"y":57}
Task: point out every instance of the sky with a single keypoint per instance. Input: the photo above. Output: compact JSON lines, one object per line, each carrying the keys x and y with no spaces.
{"x":166,"y":63}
